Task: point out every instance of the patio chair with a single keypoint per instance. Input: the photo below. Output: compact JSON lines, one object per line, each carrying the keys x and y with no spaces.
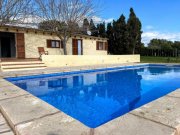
{"x":42,"y":52}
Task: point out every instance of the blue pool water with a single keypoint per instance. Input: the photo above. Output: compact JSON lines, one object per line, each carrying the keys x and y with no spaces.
{"x":95,"y":97}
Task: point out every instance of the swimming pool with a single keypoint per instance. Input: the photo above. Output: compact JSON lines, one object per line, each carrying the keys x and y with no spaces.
{"x":95,"y":97}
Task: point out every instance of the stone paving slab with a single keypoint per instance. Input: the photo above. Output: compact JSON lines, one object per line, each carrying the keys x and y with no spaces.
{"x":2,"y":120}
{"x":11,"y":92}
{"x":2,"y":80}
{"x":175,"y":94}
{"x":5,"y":84}
{"x":133,"y":125}
{"x":177,"y":130}
{"x":4,"y":127}
{"x":60,"y":124}
{"x":57,"y":124}
{"x":7,"y":133}
{"x":25,"y":108}
{"x":165,"y":110}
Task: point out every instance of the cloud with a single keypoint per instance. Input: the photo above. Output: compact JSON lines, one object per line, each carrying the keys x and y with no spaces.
{"x":147,"y":36}
{"x":97,"y":20}
{"x":32,"y":19}
{"x":109,"y":20}
{"x":29,"y":21}
{"x":149,"y":27}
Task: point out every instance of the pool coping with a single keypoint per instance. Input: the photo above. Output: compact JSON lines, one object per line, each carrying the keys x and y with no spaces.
{"x":10,"y":101}
{"x":65,"y":73}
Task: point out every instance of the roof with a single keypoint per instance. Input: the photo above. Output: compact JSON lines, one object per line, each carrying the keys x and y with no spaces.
{"x":25,"y":29}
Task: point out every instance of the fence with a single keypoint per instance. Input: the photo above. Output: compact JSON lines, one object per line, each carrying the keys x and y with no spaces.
{"x":160,"y":52}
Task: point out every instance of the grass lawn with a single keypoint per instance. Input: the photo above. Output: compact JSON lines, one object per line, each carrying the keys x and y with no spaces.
{"x":149,"y":59}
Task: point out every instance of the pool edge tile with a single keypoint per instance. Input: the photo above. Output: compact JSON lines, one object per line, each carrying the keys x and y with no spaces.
{"x":57,"y":124}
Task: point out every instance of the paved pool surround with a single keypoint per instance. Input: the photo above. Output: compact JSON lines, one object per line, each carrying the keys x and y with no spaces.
{"x":28,"y":115}
{"x":4,"y":127}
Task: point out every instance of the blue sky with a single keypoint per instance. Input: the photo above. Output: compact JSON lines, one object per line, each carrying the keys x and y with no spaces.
{"x":160,"y":18}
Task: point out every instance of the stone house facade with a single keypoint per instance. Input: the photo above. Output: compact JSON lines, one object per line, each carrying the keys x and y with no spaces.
{"x":18,"y":42}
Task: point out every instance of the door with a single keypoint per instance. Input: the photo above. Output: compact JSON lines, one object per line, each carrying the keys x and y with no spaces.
{"x":77,"y":48}
{"x":7,"y":45}
{"x":20,"y":45}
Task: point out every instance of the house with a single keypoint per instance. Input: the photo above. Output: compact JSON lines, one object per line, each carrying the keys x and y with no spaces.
{"x":19,"y":50}
{"x":21,"y":43}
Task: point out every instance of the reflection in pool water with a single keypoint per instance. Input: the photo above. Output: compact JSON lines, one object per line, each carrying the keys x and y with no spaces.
{"x":96,"y":98}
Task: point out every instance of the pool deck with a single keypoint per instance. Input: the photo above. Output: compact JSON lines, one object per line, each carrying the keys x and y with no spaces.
{"x":4,"y":127}
{"x":28,"y":115}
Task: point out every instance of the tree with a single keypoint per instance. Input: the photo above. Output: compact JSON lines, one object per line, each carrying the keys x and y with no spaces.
{"x":154,"y":44}
{"x":93,"y":29}
{"x":134,"y":33}
{"x":121,"y":36}
{"x":14,"y":11}
{"x":160,"y":44}
{"x":101,"y":30}
{"x":85,"y":26}
{"x":46,"y":25}
{"x":143,"y":45}
{"x":176,"y":45}
{"x":110,"y":36}
{"x":69,"y":13}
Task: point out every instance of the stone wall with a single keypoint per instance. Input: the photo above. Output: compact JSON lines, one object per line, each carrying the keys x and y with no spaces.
{"x":33,"y":41}
{"x":72,"y":60}
{"x":89,"y":48}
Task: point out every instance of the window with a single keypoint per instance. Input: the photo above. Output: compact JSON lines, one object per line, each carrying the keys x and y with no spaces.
{"x":101,"y":45}
{"x":54,"y":44}
{"x":58,"y":83}
{"x":78,"y":80}
{"x":101,"y":77}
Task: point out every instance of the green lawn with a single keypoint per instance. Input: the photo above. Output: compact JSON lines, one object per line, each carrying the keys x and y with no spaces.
{"x":149,"y":59}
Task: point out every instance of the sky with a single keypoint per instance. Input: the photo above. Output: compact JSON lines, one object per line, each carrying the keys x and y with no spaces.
{"x":159,"y":18}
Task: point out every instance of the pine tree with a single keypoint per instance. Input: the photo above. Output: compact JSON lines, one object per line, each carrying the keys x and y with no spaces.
{"x":121,"y":36}
{"x":134,"y":33}
{"x":85,"y":26}
{"x":93,"y":29}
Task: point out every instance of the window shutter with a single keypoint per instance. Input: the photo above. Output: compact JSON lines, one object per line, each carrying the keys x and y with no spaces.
{"x":97,"y":45}
{"x":106,"y":46}
{"x":81,"y":47}
{"x":62,"y":44}
{"x":20,"y":45}
{"x":75,"y":47}
{"x":59,"y":42}
{"x":48,"y":43}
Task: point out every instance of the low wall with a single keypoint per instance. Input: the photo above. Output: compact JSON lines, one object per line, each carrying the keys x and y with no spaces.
{"x":74,"y":60}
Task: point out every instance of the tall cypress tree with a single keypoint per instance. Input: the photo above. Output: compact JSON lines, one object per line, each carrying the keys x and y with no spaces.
{"x":134,"y":33}
{"x":102,"y":30}
{"x":110,"y":36}
{"x":121,"y":36}
{"x":139,"y":43}
{"x":93,"y":29}
{"x":85,"y":26}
